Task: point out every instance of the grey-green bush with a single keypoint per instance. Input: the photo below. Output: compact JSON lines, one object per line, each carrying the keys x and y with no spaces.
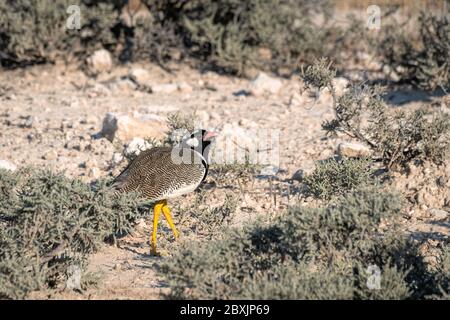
{"x":229,"y":36}
{"x":308,"y":253}
{"x":334,"y":177}
{"x":35,"y":31}
{"x":232,"y":34}
{"x":50,"y":223}
{"x":397,"y":137}
{"x":422,"y":59}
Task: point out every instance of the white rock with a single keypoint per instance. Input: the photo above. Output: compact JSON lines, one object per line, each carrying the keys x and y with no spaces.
{"x":265,"y":84}
{"x":438,"y":214}
{"x":99,"y":89}
{"x":184,"y":87}
{"x":140,"y":75}
{"x":122,"y":85}
{"x":165,"y":88}
{"x":100,"y":61}
{"x":7,"y":165}
{"x":51,"y":155}
{"x":73,"y":281}
{"x":353,"y":150}
{"x":269,"y":170}
{"x":125,"y":127}
{"x":117,"y":158}
{"x":135,"y":146}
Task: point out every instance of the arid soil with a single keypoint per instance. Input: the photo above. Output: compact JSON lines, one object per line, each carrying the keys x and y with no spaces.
{"x":50,"y":115}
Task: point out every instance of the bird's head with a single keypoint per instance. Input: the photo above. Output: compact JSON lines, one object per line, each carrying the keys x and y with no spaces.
{"x":199,"y":140}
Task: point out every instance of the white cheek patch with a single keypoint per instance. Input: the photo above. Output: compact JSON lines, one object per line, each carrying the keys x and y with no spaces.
{"x":193,"y":142}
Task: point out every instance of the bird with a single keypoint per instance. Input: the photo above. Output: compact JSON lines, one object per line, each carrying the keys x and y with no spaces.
{"x":162,"y":173}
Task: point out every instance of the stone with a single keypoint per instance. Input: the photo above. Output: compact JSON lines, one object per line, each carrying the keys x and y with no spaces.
{"x":353,"y":150}
{"x":117,"y":158}
{"x":140,"y":75}
{"x":136,"y":146}
{"x":4,"y":164}
{"x":184,"y":87}
{"x":265,"y":84}
{"x":51,"y":155}
{"x":125,"y":85}
{"x":438,"y":214}
{"x":98,"y":90}
{"x":73,"y":281}
{"x":125,"y":127}
{"x":298,"y":175}
{"x":268,"y":171}
{"x":164,"y":88}
{"x":100,"y":61}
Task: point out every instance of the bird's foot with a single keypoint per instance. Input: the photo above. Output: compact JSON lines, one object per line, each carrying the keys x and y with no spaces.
{"x":154,"y":252}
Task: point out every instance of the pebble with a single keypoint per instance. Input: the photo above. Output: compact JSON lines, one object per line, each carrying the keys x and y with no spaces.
{"x":4,"y":164}
{"x":353,"y":150}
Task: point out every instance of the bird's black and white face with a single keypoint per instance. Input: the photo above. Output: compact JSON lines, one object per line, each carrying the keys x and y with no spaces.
{"x":199,"y":140}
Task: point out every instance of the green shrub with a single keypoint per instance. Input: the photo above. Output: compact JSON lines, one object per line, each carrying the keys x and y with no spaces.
{"x":336,"y":177}
{"x":227,"y":35}
{"x":307,"y":254}
{"x":51,"y":224}
{"x":232,"y":34}
{"x":398,"y":137}
{"x":35,"y":31}
{"x":422,"y":59}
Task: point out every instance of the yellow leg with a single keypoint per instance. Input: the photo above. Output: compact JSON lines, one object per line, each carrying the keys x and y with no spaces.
{"x":166,"y":212}
{"x":156,"y":212}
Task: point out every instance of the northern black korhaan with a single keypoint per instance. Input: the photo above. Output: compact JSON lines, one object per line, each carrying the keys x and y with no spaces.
{"x":161,"y":173}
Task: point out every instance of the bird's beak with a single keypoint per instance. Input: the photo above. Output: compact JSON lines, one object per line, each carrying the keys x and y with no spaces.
{"x":210,"y":135}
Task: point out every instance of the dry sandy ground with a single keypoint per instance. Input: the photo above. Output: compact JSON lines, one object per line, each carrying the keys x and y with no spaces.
{"x":44,"y":108}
